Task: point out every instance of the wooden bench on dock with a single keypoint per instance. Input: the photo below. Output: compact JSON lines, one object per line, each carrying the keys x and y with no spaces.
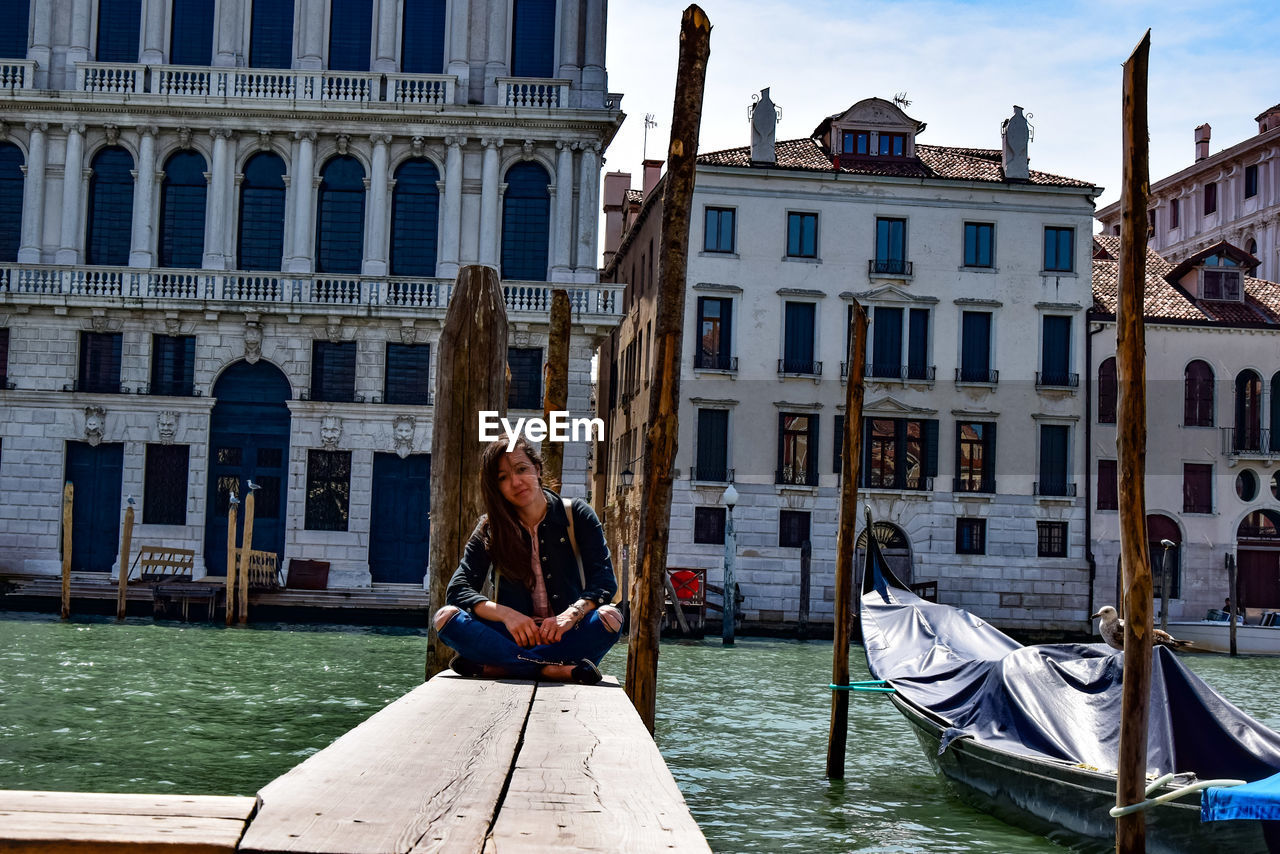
{"x":456,"y":765}
{"x":155,"y":563}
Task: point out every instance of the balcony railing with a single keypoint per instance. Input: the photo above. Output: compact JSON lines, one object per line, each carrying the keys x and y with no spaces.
{"x":903,"y":373}
{"x":405,"y":400}
{"x":795,"y":476}
{"x":711,"y":474}
{"x":970,"y":375}
{"x":1250,"y":442}
{"x":1056,"y":488}
{"x":889,"y":267}
{"x":714,"y":361}
{"x":85,"y":387}
{"x":796,"y":366}
{"x":264,"y":84}
{"x":533,"y":92}
{"x":286,"y":288}
{"x":1056,"y":379}
{"x":973,"y":484}
{"x":17,"y":73}
{"x":910,"y":483}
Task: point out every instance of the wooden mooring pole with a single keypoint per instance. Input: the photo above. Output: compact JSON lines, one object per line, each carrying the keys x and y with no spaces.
{"x":246,"y":547}
{"x":68,"y":497}
{"x":846,"y":536}
{"x":1131,"y":445}
{"x":471,"y":377}
{"x":806,"y":582}
{"x":1233,"y":579}
{"x":233,"y":567}
{"x":126,"y":537}
{"x":556,"y":395}
{"x":664,"y":390}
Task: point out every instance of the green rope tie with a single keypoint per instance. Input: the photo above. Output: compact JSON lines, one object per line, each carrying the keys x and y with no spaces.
{"x":869,"y":685}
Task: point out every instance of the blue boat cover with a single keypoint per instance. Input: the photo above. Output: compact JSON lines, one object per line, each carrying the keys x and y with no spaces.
{"x":1260,"y":800}
{"x":1059,"y":702}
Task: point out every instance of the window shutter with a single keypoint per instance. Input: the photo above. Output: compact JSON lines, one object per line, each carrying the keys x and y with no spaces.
{"x":798,"y":353}
{"x":726,"y":330}
{"x":1057,"y":347}
{"x":918,"y":344}
{"x":931,"y":448}
{"x":837,"y":446}
{"x":812,"y":463}
{"x":423,"y":41}
{"x":975,"y":348}
{"x":886,"y":345}
{"x":713,"y":451}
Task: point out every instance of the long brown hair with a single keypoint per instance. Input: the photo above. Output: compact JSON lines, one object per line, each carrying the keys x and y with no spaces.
{"x":505,"y":540}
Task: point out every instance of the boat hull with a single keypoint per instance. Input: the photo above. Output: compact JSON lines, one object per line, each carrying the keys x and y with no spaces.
{"x":1214,"y":636}
{"x":1070,"y":805}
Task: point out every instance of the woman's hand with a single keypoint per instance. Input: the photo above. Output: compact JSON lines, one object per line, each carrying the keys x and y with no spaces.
{"x":521,"y":626}
{"x":553,"y":628}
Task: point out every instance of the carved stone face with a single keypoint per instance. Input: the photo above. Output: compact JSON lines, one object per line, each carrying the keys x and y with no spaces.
{"x":95,"y":418}
{"x":167,"y":426}
{"x":252,"y":342}
{"x":402,"y":433}
{"x":330,"y":431}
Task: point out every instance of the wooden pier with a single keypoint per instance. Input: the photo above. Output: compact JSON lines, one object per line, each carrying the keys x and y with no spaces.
{"x":456,"y":765}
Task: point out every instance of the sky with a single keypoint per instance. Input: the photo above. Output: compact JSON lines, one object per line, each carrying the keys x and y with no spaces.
{"x":962,"y":65}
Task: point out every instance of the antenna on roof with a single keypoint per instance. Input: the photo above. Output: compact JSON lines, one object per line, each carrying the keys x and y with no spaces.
{"x":649,"y":122}
{"x":901,"y":100}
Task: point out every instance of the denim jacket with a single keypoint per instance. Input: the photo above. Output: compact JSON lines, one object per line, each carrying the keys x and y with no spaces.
{"x":560,"y":570}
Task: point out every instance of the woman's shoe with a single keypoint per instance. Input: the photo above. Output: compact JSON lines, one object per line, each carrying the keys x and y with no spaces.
{"x":466,"y":667}
{"x":585,"y":673}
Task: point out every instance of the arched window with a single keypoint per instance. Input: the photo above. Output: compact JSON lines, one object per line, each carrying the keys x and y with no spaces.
{"x":271,"y":35}
{"x":415,"y":212}
{"x":182,"y":196}
{"x":13,"y":36}
{"x":1197,"y":395}
{"x":1159,"y":529}
{"x":533,"y":38}
{"x":1248,"y":431}
{"x":526,"y":223}
{"x":10,"y":200}
{"x":191,"y":34}
{"x":1251,"y":247}
{"x":350,"y":34}
{"x":1274,"y":421}
{"x":110,"y":208}
{"x":119,"y":29}
{"x":422,"y":47}
{"x":340,"y":217}
{"x":1107,"y":391}
{"x":261,"y":242}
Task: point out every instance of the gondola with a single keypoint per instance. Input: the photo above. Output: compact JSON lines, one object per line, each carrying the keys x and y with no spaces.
{"x":1030,"y":733}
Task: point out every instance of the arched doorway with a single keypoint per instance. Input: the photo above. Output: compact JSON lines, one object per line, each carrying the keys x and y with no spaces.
{"x":1258,"y":560}
{"x":894,"y":546}
{"x":248,"y":440}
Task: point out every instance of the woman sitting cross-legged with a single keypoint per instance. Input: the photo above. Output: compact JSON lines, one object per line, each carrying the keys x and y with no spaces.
{"x":549,"y":615}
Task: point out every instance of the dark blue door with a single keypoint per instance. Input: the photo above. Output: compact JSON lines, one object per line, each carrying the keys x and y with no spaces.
{"x":95,"y":508}
{"x":248,"y":440}
{"x":400,"y":531}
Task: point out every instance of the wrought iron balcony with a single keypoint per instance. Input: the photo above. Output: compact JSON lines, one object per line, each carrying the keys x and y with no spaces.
{"x":710,"y":474}
{"x":889,"y":267}
{"x":400,"y":399}
{"x":909,"y":483}
{"x":706,"y":361}
{"x":797,"y":366}
{"x":969,"y":484}
{"x":903,"y":373}
{"x":1056,"y":379}
{"x":795,"y":476}
{"x":1250,"y":442}
{"x":971,"y":375}
{"x":1055,"y":488}
{"x":96,"y":387}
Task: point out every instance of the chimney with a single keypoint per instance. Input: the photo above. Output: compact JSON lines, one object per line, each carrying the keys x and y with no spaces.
{"x":1202,"y":141}
{"x":616,"y":185}
{"x":1269,"y":119}
{"x":764,"y":125}
{"x":652,"y":172}
{"x":1015,"y":134}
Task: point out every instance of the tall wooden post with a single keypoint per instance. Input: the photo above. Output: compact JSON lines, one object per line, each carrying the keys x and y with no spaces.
{"x":556,"y":395}
{"x":246,"y":547}
{"x":233,"y":565}
{"x":126,"y":537}
{"x":1232,"y":584}
{"x":1131,"y":445}
{"x":68,"y":496}
{"x":806,"y":582}
{"x":664,"y":390}
{"x":471,"y":377}
{"x":846,"y":537}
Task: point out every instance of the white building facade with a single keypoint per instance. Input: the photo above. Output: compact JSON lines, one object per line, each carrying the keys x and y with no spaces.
{"x":232,"y":232}
{"x":975,"y":274}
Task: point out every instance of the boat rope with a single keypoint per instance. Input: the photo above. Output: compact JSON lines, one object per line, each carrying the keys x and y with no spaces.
{"x":1116,"y":812}
{"x":870,"y":685}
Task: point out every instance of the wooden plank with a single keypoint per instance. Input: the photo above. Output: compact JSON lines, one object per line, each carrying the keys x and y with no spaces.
{"x":423,"y":774}
{"x":197,"y":806}
{"x":590,"y":778}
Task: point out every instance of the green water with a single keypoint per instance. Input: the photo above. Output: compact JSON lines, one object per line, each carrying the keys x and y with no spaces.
{"x":144,"y":707}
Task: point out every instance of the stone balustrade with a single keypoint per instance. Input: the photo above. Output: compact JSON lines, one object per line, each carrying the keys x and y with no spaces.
{"x":17,"y":73}
{"x":533,"y":92}
{"x":26,"y":282}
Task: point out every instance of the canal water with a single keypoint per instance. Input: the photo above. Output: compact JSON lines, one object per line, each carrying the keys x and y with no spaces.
{"x":163,"y":707}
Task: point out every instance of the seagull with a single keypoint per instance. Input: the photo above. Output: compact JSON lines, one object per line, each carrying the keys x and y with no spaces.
{"x":253,"y":486}
{"x":1112,"y":631}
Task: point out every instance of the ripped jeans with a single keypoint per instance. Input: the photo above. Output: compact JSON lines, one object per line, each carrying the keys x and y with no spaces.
{"x":486,"y":642}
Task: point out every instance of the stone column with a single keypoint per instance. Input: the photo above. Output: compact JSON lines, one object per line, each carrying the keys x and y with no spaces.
{"x":78,"y":49}
{"x":489,"y":194}
{"x":561,"y":259}
{"x":141,"y":248}
{"x":217,"y":208}
{"x":42,"y":43}
{"x":303,"y":202}
{"x":375,"y":256}
{"x":496,"y":51}
{"x":33,"y":196}
{"x":311,"y":43}
{"x":451,"y":210}
{"x":384,"y":55}
{"x":152,"y":32}
{"x":228,"y":39}
{"x":459,"y":36}
{"x":570,"y":59}
{"x":589,"y":213}
{"x":593,"y":77}
{"x":72,"y":184}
